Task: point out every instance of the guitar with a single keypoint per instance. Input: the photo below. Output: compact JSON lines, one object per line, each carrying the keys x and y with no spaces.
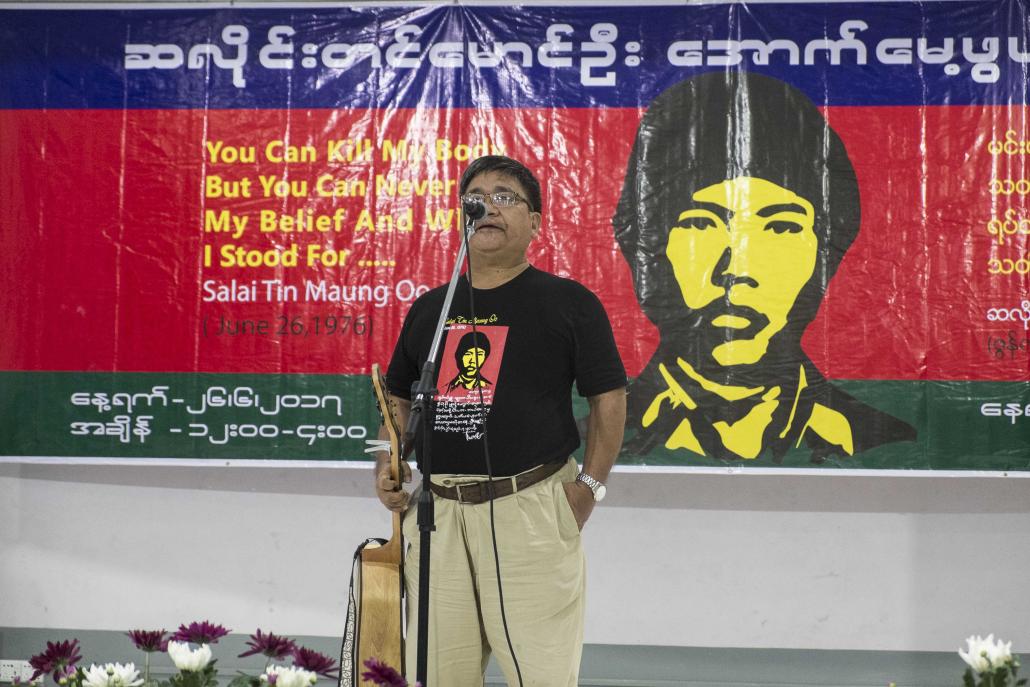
{"x":379,"y":622}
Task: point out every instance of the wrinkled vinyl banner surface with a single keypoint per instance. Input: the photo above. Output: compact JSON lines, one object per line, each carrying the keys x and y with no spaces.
{"x":809,"y":223}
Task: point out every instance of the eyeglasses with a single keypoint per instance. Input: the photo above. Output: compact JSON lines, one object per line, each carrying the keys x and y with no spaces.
{"x":500,"y":199}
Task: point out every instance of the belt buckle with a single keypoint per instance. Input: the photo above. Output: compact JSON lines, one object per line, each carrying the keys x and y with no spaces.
{"x":457,"y":488}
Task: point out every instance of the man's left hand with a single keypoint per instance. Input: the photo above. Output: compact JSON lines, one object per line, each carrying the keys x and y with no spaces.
{"x":581,"y":498}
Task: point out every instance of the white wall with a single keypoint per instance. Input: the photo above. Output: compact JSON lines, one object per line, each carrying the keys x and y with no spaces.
{"x":830,"y":561}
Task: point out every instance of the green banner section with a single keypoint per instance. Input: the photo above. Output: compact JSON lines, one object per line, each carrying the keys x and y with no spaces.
{"x":959,"y":425}
{"x":233,"y":416}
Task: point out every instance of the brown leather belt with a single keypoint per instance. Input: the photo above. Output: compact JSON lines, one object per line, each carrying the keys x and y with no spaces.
{"x":477,"y":492}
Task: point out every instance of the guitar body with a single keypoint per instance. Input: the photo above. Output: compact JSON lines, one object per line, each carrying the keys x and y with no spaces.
{"x":380,"y":627}
{"x":380,"y":618}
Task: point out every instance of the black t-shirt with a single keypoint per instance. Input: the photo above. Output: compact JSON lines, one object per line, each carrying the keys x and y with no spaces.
{"x":535,"y":335}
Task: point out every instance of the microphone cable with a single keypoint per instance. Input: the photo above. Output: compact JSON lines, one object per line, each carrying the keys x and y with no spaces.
{"x":486,"y":458}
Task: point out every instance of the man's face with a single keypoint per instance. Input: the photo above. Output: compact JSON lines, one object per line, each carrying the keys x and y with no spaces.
{"x":741,"y":251}
{"x":503,"y":235}
{"x":472,"y":360}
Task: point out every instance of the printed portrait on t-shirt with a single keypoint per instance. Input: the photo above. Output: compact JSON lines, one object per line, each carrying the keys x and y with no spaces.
{"x":469,"y":356}
{"x":469,"y":371}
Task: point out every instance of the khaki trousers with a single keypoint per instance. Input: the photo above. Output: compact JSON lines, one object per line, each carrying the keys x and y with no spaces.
{"x":543,"y":573}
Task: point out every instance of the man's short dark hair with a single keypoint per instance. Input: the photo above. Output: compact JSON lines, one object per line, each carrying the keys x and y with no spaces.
{"x":470,"y":341}
{"x":509,"y":167}
{"x":723,"y":125}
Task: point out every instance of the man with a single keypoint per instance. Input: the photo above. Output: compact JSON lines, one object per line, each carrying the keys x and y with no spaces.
{"x":469,"y":356}
{"x":546,"y":333}
{"x":737,"y":207}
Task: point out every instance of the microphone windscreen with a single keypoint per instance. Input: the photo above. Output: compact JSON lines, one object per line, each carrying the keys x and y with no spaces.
{"x":474,"y":209}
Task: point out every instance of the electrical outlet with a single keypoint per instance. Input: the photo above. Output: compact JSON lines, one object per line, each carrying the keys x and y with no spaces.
{"x":14,"y":669}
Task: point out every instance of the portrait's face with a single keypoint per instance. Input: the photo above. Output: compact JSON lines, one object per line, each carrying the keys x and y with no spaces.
{"x":741,"y":251}
{"x":505,"y":232}
{"x":472,"y":360}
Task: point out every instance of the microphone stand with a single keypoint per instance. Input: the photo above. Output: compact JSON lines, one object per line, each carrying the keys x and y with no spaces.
{"x":423,"y":401}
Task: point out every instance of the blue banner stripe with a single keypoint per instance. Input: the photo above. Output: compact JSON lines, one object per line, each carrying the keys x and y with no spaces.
{"x":902,"y":53}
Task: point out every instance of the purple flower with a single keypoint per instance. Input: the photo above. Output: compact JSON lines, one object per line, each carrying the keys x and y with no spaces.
{"x":148,"y":640}
{"x":199,"y":633}
{"x":66,"y":675}
{"x":383,"y":675}
{"x":57,"y":657}
{"x":315,"y":662}
{"x":269,"y":645}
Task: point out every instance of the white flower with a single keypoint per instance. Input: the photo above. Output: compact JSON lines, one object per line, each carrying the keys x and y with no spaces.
{"x":112,"y":675}
{"x":281,"y":676}
{"x":976,"y":653}
{"x":1002,"y":653}
{"x":984,"y":655}
{"x":185,"y":658}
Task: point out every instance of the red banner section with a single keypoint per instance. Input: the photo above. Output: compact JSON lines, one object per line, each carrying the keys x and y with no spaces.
{"x":293,"y":241}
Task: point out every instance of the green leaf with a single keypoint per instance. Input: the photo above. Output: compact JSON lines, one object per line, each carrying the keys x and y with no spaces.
{"x":244,"y":680}
{"x":967,"y":679}
{"x":203,"y":678}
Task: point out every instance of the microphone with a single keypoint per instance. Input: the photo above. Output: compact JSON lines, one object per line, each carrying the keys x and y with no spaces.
{"x":473,"y":209}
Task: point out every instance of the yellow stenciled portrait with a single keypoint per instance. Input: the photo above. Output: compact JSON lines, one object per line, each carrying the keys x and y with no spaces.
{"x":747,"y":246}
{"x":738,"y":205}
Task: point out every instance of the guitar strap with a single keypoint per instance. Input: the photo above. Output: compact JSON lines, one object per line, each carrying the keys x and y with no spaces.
{"x":349,"y":647}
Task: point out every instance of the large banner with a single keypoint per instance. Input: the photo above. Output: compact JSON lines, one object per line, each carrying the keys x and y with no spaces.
{"x":809,"y":223}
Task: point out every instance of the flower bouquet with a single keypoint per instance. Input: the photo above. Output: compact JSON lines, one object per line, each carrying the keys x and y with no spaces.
{"x":307,"y":664}
{"x":991,"y":664}
{"x":189,"y":649}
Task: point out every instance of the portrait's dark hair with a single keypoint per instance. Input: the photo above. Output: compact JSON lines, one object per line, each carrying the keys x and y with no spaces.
{"x":719,"y":126}
{"x":509,"y":167}
{"x":469,"y":341}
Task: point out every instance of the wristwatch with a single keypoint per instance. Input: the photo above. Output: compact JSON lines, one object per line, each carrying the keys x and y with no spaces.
{"x":596,"y":487}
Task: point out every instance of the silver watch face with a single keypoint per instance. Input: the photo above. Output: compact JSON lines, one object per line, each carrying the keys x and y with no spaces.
{"x":599,"y":493}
